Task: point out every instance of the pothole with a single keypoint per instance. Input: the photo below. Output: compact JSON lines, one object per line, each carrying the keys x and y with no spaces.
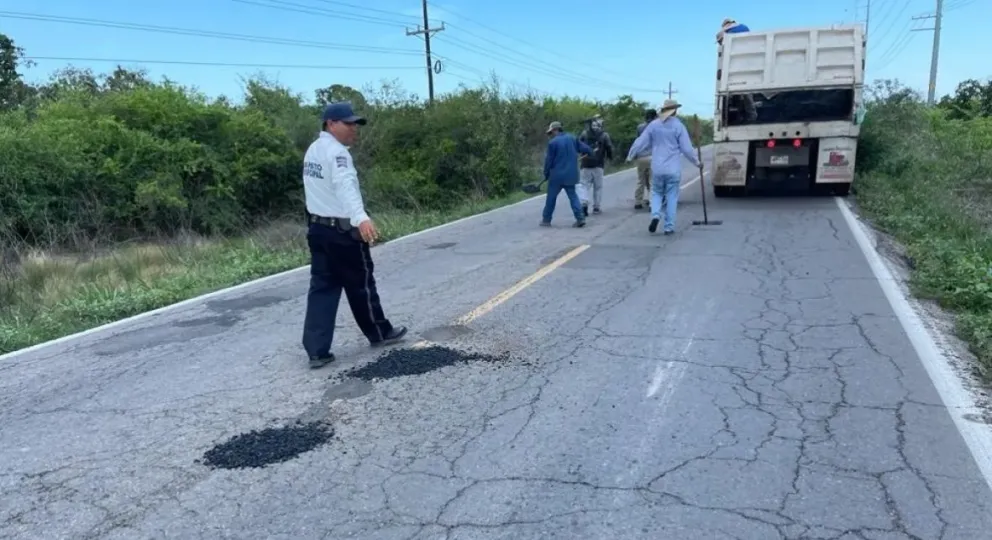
{"x":406,"y":362}
{"x":259,"y":448}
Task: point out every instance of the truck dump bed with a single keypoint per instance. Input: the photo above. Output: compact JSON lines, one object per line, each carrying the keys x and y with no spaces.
{"x":799,"y":58}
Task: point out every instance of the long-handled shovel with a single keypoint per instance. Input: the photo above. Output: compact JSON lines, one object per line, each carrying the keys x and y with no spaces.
{"x":702,"y":181}
{"x":532,"y":188}
{"x":536,"y":188}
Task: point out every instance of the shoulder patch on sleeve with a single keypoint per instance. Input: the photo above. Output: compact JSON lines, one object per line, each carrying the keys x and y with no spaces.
{"x":341,"y":162}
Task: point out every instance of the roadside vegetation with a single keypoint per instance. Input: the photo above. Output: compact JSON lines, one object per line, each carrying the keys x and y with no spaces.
{"x":119,"y":194}
{"x":925,"y":176}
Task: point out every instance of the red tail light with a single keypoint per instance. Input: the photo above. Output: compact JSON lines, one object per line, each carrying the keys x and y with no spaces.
{"x":797,"y":143}
{"x":771,"y":143}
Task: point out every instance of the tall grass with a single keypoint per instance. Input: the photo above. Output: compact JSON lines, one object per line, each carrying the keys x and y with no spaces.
{"x":926,"y":177}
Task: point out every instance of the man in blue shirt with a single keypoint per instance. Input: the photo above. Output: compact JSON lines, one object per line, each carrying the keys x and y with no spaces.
{"x":561,"y":171}
{"x":730,"y":26}
{"x":668,"y":140}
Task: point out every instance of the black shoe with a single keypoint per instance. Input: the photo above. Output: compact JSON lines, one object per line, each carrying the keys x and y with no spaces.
{"x":653,"y":226}
{"x":669,"y":232}
{"x":317,"y":362}
{"x":394,"y":336}
{"x":579,"y":223}
{"x":585,"y":210}
{"x":638,"y":206}
{"x":596,"y":210}
{"x":545,"y":223}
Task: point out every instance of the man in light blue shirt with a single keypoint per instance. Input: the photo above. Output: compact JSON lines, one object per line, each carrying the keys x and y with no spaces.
{"x":668,"y":140}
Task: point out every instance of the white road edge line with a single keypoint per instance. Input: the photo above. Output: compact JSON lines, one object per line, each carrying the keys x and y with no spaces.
{"x":956,"y":398}
{"x":259,"y":281}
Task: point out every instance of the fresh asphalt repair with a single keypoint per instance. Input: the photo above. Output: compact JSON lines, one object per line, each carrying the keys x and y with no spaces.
{"x":259,"y":448}
{"x":417,"y":361}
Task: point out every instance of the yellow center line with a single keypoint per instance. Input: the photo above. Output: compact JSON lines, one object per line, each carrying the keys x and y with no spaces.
{"x":495,"y":301}
{"x":491,"y":304}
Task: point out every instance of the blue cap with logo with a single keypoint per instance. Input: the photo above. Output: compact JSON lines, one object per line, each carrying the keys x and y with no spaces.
{"x":342,"y":112}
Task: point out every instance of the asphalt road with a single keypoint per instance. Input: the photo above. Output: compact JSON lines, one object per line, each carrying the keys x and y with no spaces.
{"x":748,"y":380}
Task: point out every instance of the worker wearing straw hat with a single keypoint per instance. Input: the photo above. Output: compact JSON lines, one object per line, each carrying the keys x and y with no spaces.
{"x":667,"y":138}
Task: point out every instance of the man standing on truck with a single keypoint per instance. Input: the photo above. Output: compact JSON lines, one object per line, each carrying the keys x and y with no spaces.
{"x":643,"y":163}
{"x":668,"y":140}
{"x":730,"y":26}
{"x":592,"y":166}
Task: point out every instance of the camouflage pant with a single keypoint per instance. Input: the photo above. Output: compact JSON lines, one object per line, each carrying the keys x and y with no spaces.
{"x":643,"y":179}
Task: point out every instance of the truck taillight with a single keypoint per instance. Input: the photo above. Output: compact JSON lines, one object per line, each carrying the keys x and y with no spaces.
{"x":797,"y":143}
{"x":771,"y":143}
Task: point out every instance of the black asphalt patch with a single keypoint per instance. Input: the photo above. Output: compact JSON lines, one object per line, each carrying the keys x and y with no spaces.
{"x":271,"y":445}
{"x":406,"y":362}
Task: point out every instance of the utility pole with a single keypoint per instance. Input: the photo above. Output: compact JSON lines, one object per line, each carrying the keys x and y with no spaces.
{"x":427,"y":31}
{"x":670,"y":91}
{"x":867,"y":17}
{"x":937,"y":19}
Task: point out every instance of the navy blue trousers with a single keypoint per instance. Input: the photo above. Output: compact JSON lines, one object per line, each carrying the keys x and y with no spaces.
{"x":554,"y":188}
{"x":339,"y":263}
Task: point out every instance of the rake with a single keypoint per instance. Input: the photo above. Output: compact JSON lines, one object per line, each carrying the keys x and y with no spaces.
{"x":702,"y":180}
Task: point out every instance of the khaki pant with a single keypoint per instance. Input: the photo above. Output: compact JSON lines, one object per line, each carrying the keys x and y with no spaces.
{"x":643,"y":179}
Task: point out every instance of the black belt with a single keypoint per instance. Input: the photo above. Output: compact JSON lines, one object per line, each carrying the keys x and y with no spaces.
{"x":343,"y":224}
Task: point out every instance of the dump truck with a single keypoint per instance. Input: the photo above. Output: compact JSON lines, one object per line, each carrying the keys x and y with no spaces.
{"x":788,"y":109}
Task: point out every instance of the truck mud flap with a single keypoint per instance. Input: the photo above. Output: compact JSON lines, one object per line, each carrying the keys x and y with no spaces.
{"x":730,"y":163}
{"x":835,"y":160}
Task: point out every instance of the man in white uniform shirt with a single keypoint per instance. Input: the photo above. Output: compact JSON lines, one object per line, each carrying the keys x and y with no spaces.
{"x":340,"y":235}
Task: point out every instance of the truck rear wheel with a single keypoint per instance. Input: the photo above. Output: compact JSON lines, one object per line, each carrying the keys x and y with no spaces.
{"x":841,"y":190}
{"x":721,"y":191}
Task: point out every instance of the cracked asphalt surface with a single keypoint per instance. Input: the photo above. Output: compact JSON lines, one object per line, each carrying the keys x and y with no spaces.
{"x":747,"y":380}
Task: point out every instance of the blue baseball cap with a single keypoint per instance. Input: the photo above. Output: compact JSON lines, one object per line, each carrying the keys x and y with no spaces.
{"x":342,"y":112}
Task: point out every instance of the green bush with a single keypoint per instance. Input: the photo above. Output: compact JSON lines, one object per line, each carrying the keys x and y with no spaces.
{"x":207,"y":193}
{"x":90,"y":159}
{"x":925,"y":175}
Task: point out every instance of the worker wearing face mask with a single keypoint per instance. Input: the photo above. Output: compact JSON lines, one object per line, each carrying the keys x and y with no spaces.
{"x":591,"y":167}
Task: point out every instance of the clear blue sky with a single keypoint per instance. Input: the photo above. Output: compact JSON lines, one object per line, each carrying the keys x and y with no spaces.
{"x":627,"y":46}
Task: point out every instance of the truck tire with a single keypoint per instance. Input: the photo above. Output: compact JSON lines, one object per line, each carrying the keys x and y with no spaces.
{"x":842,"y":190}
{"x":721,"y":191}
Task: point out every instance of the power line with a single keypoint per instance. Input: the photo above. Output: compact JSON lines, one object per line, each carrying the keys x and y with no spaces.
{"x":206,"y":33}
{"x":532,"y":66}
{"x":363,"y":8}
{"x":958,"y":4}
{"x":891,"y":25}
{"x":212,"y":64}
{"x":895,"y":50}
{"x":282,"y":5}
{"x":529,"y":44}
{"x":528,"y":62}
{"x":479,"y":73}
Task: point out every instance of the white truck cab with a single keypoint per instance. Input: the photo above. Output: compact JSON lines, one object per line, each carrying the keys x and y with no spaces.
{"x":788,"y":109}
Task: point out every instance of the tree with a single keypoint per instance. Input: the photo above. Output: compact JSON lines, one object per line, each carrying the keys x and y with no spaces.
{"x":971,"y":99}
{"x":340,"y":92}
{"x":13,"y":91}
